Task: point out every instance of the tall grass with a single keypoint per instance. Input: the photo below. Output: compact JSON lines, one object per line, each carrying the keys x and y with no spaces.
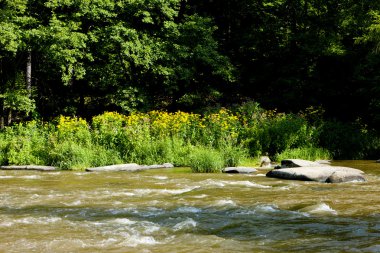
{"x":206,"y":160}
{"x":306,"y":153}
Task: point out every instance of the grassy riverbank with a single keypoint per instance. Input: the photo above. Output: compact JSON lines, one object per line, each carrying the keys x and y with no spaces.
{"x":206,"y":143}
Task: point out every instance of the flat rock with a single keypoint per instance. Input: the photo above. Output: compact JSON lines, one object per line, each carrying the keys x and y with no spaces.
{"x":131,"y":167}
{"x":28,"y":167}
{"x":240,"y":170}
{"x":293,"y":163}
{"x":324,"y":162}
{"x":319,"y":174}
{"x":378,"y":161}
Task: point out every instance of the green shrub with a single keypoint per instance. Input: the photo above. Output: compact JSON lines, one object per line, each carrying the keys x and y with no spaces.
{"x":306,"y":153}
{"x":70,"y":155}
{"x":233,"y":155}
{"x":24,"y":144}
{"x":206,"y":160}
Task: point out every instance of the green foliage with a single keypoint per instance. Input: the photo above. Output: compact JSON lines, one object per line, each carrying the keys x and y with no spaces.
{"x":24,"y":144}
{"x":16,"y":98}
{"x":205,"y":143}
{"x":206,"y":160}
{"x":74,"y":156}
{"x":271,"y":132}
{"x":306,"y":153}
{"x":349,"y":140}
{"x":233,"y":155}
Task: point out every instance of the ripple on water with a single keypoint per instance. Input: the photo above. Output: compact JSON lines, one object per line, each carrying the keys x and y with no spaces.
{"x":30,"y":221}
{"x":31,"y":177}
{"x":223,"y":183}
{"x":6,"y":177}
{"x":188,"y":209}
{"x":319,"y":209}
{"x":144,"y":192}
{"x":187,"y":224}
{"x":225,"y":203}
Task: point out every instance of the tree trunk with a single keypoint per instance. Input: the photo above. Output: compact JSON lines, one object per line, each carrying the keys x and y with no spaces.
{"x":29,"y":73}
{"x":9,"y":117}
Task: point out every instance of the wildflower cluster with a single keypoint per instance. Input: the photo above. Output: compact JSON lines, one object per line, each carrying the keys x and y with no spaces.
{"x":73,"y":128}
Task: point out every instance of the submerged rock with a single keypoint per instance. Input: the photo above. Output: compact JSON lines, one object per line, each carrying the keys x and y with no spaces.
{"x":241,"y":170}
{"x":131,"y":167}
{"x":328,"y":174}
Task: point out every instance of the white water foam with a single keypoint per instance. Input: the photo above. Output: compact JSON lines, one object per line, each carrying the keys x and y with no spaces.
{"x":202,"y":196}
{"x":123,"y":221}
{"x":136,"y":240}
{"x":34,"y":221}
{"x":160,"y":177}
{"x":321,"y":208}
{"x":31,"y":177}
{"x":6,"y":177}
{"x":225,"y":202}
{"x":260,"y":175}
{"x":266,"y":208}
{"x":211,"y":182}
{"x":74,"y":203}
{"x":222,"y":183}
{"x":142,"y":192}
{"x":188,"y":209}
{"x":247,"y":184}
{"x":186,"y":224}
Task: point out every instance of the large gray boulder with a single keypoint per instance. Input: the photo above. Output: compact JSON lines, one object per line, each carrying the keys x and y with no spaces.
{"x":328,"y":174}
{"x":293,"y":163}
{"x":341,"y":176}
{"x":240,"y":170}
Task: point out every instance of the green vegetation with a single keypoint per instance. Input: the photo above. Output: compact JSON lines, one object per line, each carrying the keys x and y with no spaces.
{"x":81,"y":58}
{"x":206,"y":143}
{"x":308,"y":153}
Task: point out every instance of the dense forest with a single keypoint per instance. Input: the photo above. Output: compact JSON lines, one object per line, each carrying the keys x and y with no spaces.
{"x":85,"y":57}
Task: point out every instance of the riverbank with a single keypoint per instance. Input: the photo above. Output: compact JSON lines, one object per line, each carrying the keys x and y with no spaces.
{"x":206,"y":143}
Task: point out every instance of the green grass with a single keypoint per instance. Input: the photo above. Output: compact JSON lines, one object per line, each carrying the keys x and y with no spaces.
{"x":206,"y":160}
{"x":307,"y":153}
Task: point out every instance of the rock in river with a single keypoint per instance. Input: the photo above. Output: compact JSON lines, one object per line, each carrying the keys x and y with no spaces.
{"x":241,"y":170}
{"x":131,"y":167}
{"x":292,"y":163}
{"x":328,"y":174}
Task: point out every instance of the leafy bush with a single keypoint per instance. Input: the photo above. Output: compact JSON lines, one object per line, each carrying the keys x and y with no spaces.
{"x":206,"y":160}
{"x":233,"y":155}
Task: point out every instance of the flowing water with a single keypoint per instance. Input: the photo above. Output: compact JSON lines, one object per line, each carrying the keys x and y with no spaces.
{"x":163,"y":211}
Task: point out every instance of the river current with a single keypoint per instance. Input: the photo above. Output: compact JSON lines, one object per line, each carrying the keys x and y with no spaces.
{"x":173,"y":211}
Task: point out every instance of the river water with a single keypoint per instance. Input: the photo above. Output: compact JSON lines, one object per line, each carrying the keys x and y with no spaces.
{"x":173,"y":211}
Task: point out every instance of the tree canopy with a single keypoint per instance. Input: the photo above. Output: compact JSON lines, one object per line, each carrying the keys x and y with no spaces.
{"x":83,"y":57}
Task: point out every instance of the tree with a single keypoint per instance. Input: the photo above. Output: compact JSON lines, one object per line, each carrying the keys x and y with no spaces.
{"x":15,"y":27}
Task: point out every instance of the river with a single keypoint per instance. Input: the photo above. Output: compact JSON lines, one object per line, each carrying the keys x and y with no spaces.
{"x":174,"y":211}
